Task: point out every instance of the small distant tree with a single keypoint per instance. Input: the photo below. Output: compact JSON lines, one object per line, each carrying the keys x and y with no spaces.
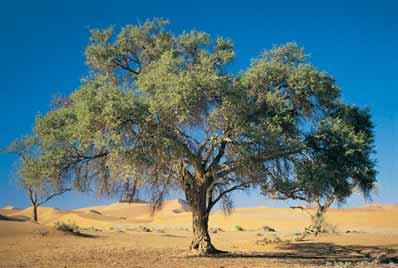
{"x":34,"y":174}
{"x":337,"y":162}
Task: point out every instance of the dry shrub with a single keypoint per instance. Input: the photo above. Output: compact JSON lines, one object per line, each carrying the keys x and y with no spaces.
{"x":215,"y":230}
{"x":298,"y":237}
{"x":266,"y":228}
{"x":271,"y":240}
{"x":239,"y":228}
{"x":67,"y":227}
{"x":143,"y":229}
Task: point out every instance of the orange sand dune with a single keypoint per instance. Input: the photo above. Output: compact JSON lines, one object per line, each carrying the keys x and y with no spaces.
{"x":176,"y":214}
{"x":103,"y":216}
{"x":112,"y":237}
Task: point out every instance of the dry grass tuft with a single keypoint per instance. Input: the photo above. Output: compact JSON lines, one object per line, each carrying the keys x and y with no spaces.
{"x":67,"y":227}
{"x":239,"y":228}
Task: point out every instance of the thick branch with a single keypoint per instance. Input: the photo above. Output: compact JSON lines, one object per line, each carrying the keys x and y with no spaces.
{"x":32,"y":198}
{"x":220,"y":154}
{"x":292,"y":194}
{"x":328,"y":202}
{"x":81,"y":158}
{"x":54,"y":195}
{"x":223,"y":193}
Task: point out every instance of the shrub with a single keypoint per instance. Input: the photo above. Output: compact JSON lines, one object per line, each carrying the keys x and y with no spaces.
{"x":143,"y":229}
{"x":268,"y":229}
{"x":239,"y":228}
{"x":271,"y":240}
{"x":67,"y":227}
{"x":215,"y":230}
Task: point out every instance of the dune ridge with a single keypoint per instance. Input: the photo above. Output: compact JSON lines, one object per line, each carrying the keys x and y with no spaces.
{"x":177,"y":214}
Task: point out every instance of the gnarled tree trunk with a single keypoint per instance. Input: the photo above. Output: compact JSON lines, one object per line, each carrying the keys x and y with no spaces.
{"x":201,"y":242}
{"x":318,"y":218}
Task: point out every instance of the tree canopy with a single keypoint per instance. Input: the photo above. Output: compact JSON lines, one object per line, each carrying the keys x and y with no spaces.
{"x":35,"y":176}
{"x":164,"y":108}
{"x":336,"y":162}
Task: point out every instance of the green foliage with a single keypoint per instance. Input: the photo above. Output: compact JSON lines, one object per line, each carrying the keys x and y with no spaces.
{"x":337,"y":161}
{"x":162,"y":107}
{"x":35,"y":172}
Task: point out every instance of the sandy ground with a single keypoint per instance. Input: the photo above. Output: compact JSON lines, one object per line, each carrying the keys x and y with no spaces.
{"x":113,"y":236}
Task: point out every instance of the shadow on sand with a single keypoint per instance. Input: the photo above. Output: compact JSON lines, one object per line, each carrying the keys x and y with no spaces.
{"x":321,"y":253}
{"x":174,"y":236}
{"x":85,"y":235}
{"x":12,"y":218}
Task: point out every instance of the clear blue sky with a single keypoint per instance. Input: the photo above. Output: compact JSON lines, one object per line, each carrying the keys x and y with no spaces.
{"x":42,"y":44}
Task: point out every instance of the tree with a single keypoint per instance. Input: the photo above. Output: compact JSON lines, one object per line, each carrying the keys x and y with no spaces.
{"x":130,"y":191}
{"x":34,"y":176}
{"x":165,"y":109}
{"x":337,"y":161}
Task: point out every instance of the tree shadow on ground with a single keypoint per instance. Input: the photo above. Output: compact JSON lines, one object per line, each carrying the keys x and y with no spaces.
{"x":70,"y":233}
{"x":321,"y":253}
{"x":13,"y":218}
{"x":85,"y":235}
{"x":174,"y":236}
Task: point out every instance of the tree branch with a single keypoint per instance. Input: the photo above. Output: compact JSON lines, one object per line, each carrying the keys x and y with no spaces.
{"x":236,"y":187}
{"x":31,"y":196}
{"x":220,"y":154}
{"x":118,"y":63}
{"x":81,"y":158}
{"x":54,"y":195}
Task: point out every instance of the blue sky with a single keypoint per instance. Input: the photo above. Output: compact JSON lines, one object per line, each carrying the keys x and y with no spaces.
{"x":42,"y":45}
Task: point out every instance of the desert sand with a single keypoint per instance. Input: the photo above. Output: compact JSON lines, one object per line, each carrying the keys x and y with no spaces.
{"x":130,"y":235}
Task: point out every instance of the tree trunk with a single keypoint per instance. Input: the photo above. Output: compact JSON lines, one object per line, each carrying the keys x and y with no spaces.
{"x":35,"y":215}
{"x":201,"y":242}
{"x":318,"y":220}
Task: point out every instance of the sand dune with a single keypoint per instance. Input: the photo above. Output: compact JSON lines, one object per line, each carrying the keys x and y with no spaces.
{"x":9,"y":207}
{"x":112,"y":236}
{"x":177,"y":214}
{"x":103,"y":216}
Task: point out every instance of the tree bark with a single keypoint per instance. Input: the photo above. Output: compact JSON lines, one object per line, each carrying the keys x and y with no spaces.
{"x":35,"y":215}
{"x":318,"y":218}
{"x":201,"y":242}
{"x":35,"y":204}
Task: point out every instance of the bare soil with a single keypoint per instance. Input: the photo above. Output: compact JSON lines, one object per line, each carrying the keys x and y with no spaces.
{"x":363,"y":239}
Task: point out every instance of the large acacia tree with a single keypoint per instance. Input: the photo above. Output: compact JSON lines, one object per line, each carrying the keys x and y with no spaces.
{"x":164,"y":108}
